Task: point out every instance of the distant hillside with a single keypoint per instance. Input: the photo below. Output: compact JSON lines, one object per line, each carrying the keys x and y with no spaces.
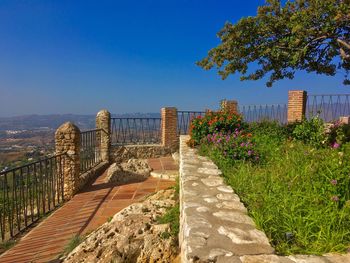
{"x":53,"y":121}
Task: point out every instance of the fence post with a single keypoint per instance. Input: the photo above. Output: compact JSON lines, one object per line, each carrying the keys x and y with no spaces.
{"x":169,"y":127}
{"x":103,"y":122}
{"x":67,"y":140}
{"x":229,"y":105}
{"x":296,"y":105}
{"x":344,"y":120}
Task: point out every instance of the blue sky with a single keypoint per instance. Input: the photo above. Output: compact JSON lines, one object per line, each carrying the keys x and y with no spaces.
{"x":78,"y":57}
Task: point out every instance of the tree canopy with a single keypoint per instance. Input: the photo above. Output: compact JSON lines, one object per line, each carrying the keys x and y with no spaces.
{"x":310,"y":35}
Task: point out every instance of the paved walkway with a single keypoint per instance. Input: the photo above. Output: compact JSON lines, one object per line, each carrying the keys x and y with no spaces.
{"x":85,"y":212}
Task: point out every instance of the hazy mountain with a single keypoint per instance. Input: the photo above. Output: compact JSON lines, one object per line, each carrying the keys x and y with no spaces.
{"x":53,"y":121}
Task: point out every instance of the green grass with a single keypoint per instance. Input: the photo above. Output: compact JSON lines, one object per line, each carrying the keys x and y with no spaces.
{"x":73,"y":243}
{"x":289,"y":193}
{"x":6,"y":245}
{"x":172,"y":216}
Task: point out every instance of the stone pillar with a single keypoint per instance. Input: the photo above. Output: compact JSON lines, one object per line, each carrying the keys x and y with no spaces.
{"x":169,"y":127}
{"x":67,"y":139}
{"x":103,"y":122}
{"x":296,"y":105}
{"x":229,"y":105}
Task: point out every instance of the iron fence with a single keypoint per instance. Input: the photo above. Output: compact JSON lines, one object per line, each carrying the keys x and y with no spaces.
{"x":135,"y":131}
{"x":28,"y":192}
{"x":184,"y":119}
{"x":258,"y":113}
{"x":90,"y":149}
{"x":328,"y":106}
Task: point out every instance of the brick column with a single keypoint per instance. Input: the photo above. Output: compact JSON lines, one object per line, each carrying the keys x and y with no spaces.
{"x":103,"y":121}
{"x":67,"y":139}
{"x":169,"y":127}
{"x":344,"y":120}
{"x":229,"y":105}
{"x":296,"y":105}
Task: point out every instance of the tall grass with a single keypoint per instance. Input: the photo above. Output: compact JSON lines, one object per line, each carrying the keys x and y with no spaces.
{"x":297,"y":194}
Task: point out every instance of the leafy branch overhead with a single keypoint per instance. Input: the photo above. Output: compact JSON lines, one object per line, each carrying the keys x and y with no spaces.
{"x":310,"y":35}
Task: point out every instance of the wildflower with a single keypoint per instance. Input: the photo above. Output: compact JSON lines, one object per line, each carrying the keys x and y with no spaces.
{"x":335,"y":145}
{"x":335,"y":198}
{"x":334,"y":182}
{"x":250,"y":152}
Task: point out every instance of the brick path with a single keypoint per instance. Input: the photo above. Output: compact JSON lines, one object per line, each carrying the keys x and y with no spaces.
{"x":85,"y":212}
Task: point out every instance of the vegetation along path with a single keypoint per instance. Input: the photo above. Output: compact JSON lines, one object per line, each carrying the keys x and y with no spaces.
{"x":82,"y":214}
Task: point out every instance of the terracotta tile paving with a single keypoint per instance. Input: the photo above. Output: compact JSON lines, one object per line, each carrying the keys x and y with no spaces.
{"x":85,"y":212}
{"x":163,"y":164}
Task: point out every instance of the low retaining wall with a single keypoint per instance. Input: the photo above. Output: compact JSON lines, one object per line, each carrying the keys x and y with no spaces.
{"x":214,"y":225}
{"x":92,"y":174}
{"x":123,"y":153}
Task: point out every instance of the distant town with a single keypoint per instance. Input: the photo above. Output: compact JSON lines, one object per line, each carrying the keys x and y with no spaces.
{"x":25,"y":139}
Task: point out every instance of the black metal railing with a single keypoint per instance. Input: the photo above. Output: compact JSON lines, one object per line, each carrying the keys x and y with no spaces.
{"x":29,"y":192}
{"x":328,"y":106}
{"x":258,"y":113}
{"x":90,"y":149}
{"x":184,"y":119}
{"x":135,"y":131}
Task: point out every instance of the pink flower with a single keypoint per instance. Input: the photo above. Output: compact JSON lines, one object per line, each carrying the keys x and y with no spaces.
{"x":335,"y":145}
{"x":335,"y":198}
{"x":334,"y":182}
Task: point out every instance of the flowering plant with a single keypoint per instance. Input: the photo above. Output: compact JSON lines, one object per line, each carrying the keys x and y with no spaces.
{"x":236,"y":145}
{"x":213,"y":122}
{"x":338,"y":134}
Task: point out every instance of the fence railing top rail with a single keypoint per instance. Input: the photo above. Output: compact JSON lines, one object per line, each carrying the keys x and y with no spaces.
{"x":135,"y":118}
{"x":346,"y":94}
{"x":92,"y":130}
{"x":32,"y":163}
{"x":274,"y":104}
{"x":190,"y":111}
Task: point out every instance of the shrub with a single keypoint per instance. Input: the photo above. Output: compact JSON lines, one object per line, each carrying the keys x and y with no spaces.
{"x":212,"y":122}
{"x":338,"y":134}
{"x":234,"y":146}
{"x":271,"y":128}
{"x":311,"y":132}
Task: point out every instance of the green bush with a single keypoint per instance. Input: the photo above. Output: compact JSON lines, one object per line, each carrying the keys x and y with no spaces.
{"x":338,"y":134}
{"x":311,"y":132}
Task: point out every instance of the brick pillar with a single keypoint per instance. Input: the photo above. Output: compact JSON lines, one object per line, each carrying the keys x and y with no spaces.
{"x":67,"y":139}
{"x":169,"y":127}
{"x":103,"y":121}
{"x":296,"y":105}
{"x":229,"y":105}
{"x":344,"y":120}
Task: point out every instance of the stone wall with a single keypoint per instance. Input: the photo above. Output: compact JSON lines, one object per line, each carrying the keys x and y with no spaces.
{"x":214,"y":225}
{"x":123,"y":153}
{"x":91,"y":174}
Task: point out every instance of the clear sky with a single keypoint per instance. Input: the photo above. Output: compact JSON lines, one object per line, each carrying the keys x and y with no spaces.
{"x":64,"y":56}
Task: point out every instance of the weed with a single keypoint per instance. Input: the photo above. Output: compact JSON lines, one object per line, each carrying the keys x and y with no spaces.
{"x":72,"y":244}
